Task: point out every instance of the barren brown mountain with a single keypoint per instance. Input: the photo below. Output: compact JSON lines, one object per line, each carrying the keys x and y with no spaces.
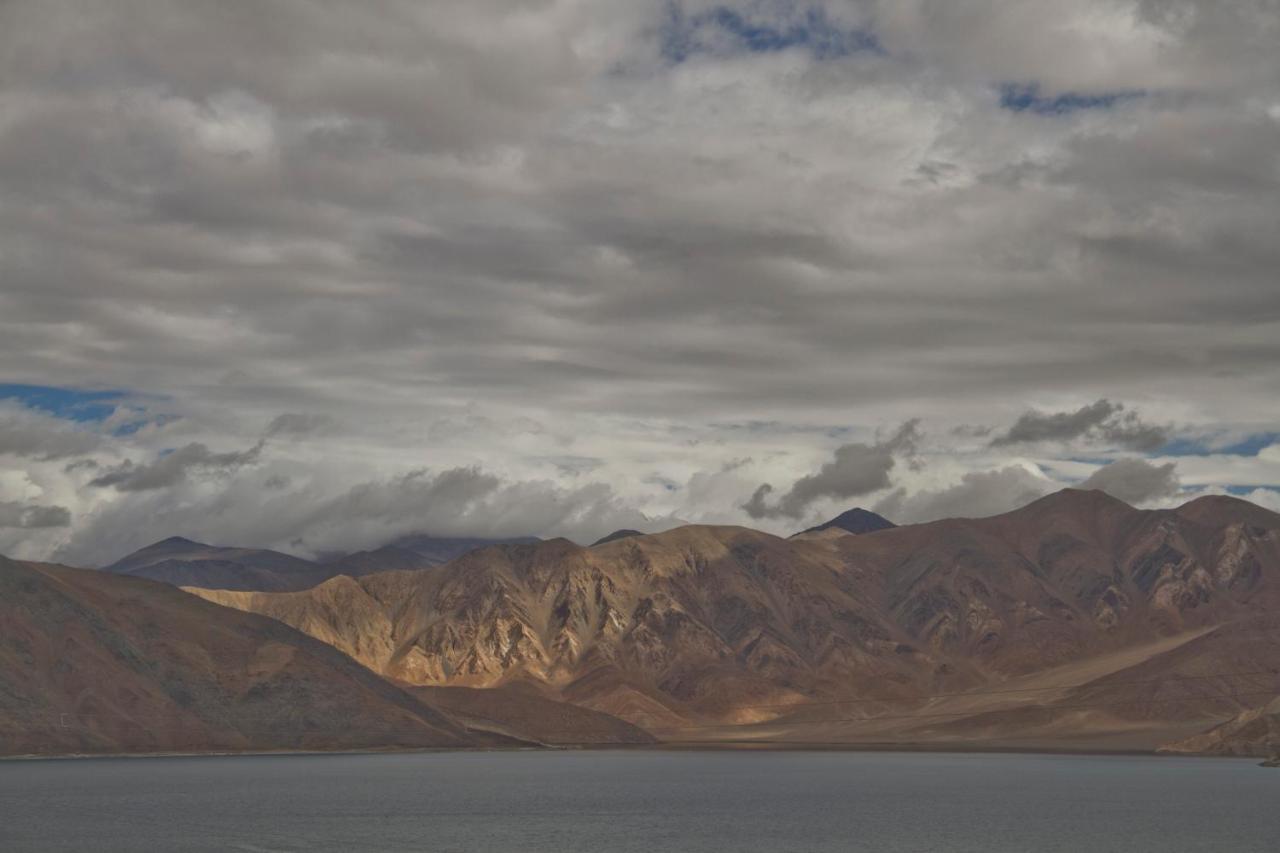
{"x":1077,"y":620}
{"x":91,"y":662}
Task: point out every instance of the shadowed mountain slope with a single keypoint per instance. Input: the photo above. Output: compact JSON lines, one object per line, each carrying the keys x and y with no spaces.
{"x":92,"y":662}
{"x":521,"y":710}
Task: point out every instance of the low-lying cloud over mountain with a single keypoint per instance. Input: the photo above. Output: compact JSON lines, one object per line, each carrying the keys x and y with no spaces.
{"x":625,"y":263}
{"x":856,"y":469}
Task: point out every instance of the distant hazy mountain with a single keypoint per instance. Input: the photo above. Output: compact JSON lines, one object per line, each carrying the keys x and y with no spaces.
{"x":1139,"y":617}
{"x":182,"y":562}
{"x":419,"y":551}
{"x":857,"y":520}
{"x":440,"y":550}
{"x":388,"y":558}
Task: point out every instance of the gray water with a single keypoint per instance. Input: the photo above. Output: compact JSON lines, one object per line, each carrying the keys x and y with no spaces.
{"x":563,"y":802}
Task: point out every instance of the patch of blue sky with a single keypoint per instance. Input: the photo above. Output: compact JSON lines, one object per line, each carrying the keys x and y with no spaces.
{"x":723,"y":29}
{"x":1028,"y":98}
{"x":133,"y":426}
{"x":71,"y":404}
{"x":1247,"y":446}
{"x":1092,"y":460}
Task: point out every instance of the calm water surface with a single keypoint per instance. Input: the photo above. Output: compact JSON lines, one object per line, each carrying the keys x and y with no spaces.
{"x":641,"y":801}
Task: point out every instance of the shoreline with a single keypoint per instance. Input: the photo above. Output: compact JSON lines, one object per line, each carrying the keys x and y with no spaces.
{"x":711,"y":746}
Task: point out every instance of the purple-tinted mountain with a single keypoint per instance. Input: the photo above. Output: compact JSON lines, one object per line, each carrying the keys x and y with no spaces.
{"x":182,"y":562}
{"x":856,"y":520}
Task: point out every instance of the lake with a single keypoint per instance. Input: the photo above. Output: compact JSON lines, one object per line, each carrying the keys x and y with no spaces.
{"x":560,"y":802}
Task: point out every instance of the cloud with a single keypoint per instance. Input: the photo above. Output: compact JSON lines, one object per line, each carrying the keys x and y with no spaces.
{"x":174,"y":467}
{"x":299,"y":424}
{"x":33,"y":517}
{"x":1269,"y":498}
{"x":1136,"y":481}
{"x":501,"y":234}
{"x":856,"y":469}
{"x":1102,"y":421}
{"x":978,"y":494}
{"x":310,"y":518}
{"x":27,"y":433}
{"x":466,"y":501}
{"x":550,"y":214}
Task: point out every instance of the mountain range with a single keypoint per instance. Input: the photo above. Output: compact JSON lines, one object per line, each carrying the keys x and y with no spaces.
{"x":1076,"y":622}
{"x":182,"y":562}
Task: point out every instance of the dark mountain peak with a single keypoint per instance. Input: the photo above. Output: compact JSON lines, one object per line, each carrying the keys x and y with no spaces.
{"x":172,"y":543}
{"x":856,"y":520}
{"x":624,"y":533}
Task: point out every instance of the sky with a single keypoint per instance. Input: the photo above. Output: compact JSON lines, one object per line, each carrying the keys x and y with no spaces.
{"x":312,"y":276}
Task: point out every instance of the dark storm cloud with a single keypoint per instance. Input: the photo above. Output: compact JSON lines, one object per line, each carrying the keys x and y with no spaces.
{"x":174,"y":467}
{"x":856,"y":469}
{"x":1103,"y":421}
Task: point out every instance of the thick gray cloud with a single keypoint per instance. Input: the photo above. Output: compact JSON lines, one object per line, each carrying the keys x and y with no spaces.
{"x":978,"y":494}
{"x":25,"y":433}
{"x":532,"y":203}
{"x":1103,"y":421}
{"x":856,"y":469}
{"x":509,"y":233}
{"x":298,"y":424}
{"x":33,"y":517}
{"x":1136,"y":481}
{"x":174,"y":467}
